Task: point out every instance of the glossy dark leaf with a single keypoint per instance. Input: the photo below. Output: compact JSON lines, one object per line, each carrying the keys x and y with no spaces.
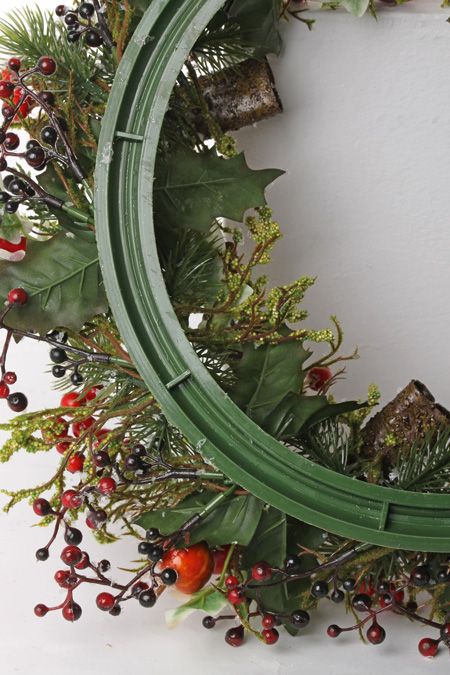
{"x":232,"y":521}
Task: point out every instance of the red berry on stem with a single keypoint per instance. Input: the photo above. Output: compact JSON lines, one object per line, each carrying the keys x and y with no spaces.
{"x":428,"y":647}
{"x":17,"y":401}
{"x":10,"y":377}
{"x":235,"y":596}
{"x":72,"y":400}
{"x":376,"y":634}
{"x":235,"y":636}
{"x":333,"y":631}
{"x":106,"y":485}
{"x":46,"y":65}
{"x":71,"y":555}
{"x":270,"y":636}
{"x":261,"y":571}
{"x":17,"y":296}
{"x":231,"y":582}
{"x":4,"y":390}
{"x":14,"y":64}
{"x":6,"y":89}
{"x":78,"y":428}
{"x":318,"y":377}
{"x":61,"y":577}
{"x":41,"y":507}
{"x":40,"y":610}
{"x":84,"y":562}
{"x":75,"y":463}
{"x":268,"y":621}
{"x":12,"y":141}
{"x":105,"y":601}
{"x":63,"y":447}
{"x":71,"y":611}
{"x":71,"y":499}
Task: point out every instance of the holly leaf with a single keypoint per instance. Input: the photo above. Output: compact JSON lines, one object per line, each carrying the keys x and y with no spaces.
{"x":356,"y":7}
{"x":266,"y":374}
{"x":63,"y":280}
{"x":258,"y":20}
{"x":192,"y":189}
{"x":297,"y":413}
{"x":235,"y":520}
{"x":207,"y":600}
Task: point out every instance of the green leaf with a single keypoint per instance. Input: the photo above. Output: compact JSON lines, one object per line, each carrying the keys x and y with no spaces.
{"x":269,"y":544}
{"x":356,"y":7}
{"x":13,"y":224}
{"x":62,"y":278}
{"x":258,"y":20}
{"x":207,"y":600}
{"x":232,"y":521}
{"x":192,"y":189}
{"x":297,"y":413}
{"x":266,"y":374}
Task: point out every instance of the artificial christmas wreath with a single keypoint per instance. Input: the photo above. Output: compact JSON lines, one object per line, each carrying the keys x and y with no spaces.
{"x":199,"y":419}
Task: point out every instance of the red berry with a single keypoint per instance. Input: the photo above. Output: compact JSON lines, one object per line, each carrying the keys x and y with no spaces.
{"x":261,"y":571}
{"x":235,"y":636}
{"x":318,"y":377}
{"x":17,"y":296}
{"x":231,"y":582}
{"x":105,"y":601}
{"x":12,"y":141}
{"x":428,"y":647}
{"x":235,"y":596}
{"x":84,"y":562}
{"x":71,"y":499}
{"x":268,"y":621}
{"x":106,"y":485}
{"x":6,"y":89}
{"x":76,"y":462}
{"x":14,"y":64}
{"x":71,"y":611}
{"x":72,"y":400}
{"x":376,"y":634}
{"x":138,"y":587}
{"x":17,"y":401}
{"x":40,"y":610}
{"x":4,"y":390}
{"x":71,"y":555}
{"x":41,"y":507}
{"x":63,"y":447}
{"x":61,"y":577}
{"x":333,"y":631}
{"x":78,"y":428}
{"x":270,"y":636}
{"x":46,"y":65}
{"x":10,"y":377}
{"x":92,"y":393}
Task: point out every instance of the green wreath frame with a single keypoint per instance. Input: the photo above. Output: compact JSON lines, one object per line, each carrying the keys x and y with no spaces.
{"x":187,"y":393}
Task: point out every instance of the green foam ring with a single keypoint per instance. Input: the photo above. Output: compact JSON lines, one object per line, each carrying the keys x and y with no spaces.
{"x":188,"y":395}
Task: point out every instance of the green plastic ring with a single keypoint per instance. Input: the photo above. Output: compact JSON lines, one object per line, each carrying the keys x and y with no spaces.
{"x":189,"y":396}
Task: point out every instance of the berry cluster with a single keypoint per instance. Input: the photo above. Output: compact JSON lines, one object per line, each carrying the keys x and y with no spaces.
{"x":373,"y":601}
{"x":20,"y":96}
{"x":85,"y":22}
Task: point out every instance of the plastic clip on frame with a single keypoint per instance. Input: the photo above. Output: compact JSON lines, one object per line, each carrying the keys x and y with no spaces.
{"x":189,"y":396}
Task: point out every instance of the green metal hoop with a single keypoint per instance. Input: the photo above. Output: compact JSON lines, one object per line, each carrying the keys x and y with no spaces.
{"x":189,"y":396}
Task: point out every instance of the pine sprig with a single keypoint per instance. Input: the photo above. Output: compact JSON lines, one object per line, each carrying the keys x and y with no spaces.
{"x":426,"y":467}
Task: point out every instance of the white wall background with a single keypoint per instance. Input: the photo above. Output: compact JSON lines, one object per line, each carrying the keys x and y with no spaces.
{"x":365,"y":140}
{"x":365,"y":202}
